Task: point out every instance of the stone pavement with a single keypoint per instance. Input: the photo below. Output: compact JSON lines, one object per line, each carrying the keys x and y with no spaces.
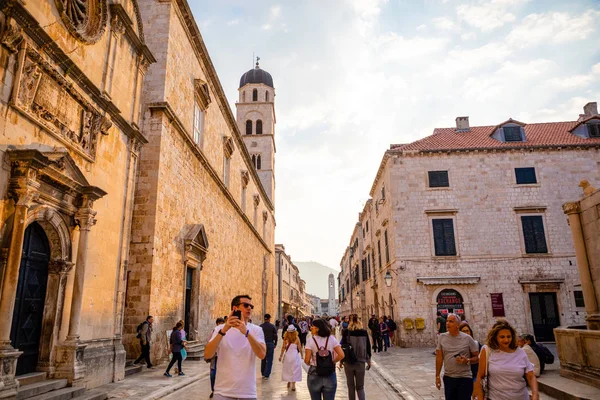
{"x":151,"y":384}
{"x":411,"y":372}
{"x":274,"y":388}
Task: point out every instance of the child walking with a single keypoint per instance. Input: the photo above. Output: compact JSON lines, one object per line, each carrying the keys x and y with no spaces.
{"x":290,"y":353}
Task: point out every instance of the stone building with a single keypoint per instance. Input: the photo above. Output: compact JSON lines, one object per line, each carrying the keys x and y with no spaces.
{"x":469,"y":220}
{"x":293,"y":298}
{"x":203,"y":223}
{"x":71,"y":76}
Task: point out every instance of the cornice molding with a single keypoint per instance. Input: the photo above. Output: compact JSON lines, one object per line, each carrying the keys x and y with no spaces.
{"x":195,"y":38}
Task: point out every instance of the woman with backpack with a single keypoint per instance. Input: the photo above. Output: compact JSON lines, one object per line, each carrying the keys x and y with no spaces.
{"x":357,"y":350}
{"x":290,"y":354}
{"x":322,"y":352}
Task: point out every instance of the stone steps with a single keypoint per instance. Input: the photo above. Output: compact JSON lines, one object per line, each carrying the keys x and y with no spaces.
{"x":195,"y":351}
{"x":92,"y":395}
{"x":60,"y":394}
{"x":38,"y":388}
{"x":551,"y":383}
{"x":133,"y":369}
{"x":33,"y":377}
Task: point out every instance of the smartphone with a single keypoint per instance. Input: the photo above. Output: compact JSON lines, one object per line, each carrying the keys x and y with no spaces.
{"x":238,"y":313}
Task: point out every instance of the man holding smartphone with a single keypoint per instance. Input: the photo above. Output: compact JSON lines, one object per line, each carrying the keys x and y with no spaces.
{"x":238,"y":343}
{"x":455,"y":351}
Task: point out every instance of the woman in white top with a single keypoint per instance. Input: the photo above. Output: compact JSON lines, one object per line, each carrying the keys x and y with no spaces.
{"x":321,"y":387}
{"x":507,"y":367}
{"x":290,"y":353}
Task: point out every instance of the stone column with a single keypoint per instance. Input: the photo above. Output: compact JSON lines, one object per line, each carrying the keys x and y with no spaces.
{"x":70,"y":355}
{"x":572,"y":209}
{"x":9,"y":355}
{"x":53,"y":311}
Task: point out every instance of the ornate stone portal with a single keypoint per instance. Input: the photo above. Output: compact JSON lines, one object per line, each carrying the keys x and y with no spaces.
{"x":47,"y":187}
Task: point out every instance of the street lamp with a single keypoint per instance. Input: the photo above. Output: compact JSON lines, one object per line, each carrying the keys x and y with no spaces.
{"x":388,"y":279}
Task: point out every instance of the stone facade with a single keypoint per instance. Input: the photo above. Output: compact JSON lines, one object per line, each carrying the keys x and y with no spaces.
{"x":203,"y":225}
{"x":293,"y":298}
{"x":70,"y":142}
{"x":482,"y":208}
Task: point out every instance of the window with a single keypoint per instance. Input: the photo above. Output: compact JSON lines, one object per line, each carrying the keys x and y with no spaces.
{"x":594,"y":130}
{"x":267,"y":96}
{"x":578,"y":298}
{"x":387,"y":250}
{"x":438,"y":179}
{"x":512,"y":134}
{"x":525,"y":176}
{"x":356,"y":276}
{"x":367,"y":226}
{"x":226,"y":168}
{"x":248,"y":127}
{"x":254,"y":95}
{"x":198,"y":123}
{"x":364,"y":269}
{"x":379,"y":252}
{"x":443,"y":237}
{"x":533,"y":234}
{"x":383,"y":193}
{"x":244,"y":96}
{"x":369,"y":266}
{"x":254,"y":160}
{"x":258,"y":162}
{"x":259,"y":127}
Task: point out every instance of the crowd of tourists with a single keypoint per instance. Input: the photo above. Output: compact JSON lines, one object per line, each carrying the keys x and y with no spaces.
{"x":502,"y":369}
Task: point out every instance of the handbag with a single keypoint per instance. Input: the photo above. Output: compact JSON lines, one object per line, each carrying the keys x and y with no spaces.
{"x":484,"y":381}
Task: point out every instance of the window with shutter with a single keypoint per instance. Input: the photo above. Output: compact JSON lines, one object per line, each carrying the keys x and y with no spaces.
{"x":443,"y":237}
{"x":379,"y":252}
{"x":387,"y":250}
{"x":579,"y":302}
{"x":594,"y":130}
{"x":525,"y":176}
{"x":533,"y":234}
{"x":438,"y":179}
{"x":512,"y":134}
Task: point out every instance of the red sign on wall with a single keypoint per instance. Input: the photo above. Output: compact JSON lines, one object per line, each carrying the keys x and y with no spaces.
{"x":497,"y":305}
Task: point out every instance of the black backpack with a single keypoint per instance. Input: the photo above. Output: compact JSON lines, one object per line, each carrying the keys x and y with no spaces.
{"x":349,"y":354}
{"x":392,"y":325}
{"x":548,"y":356}
{"x":325,"y":365}
{"x":139,"y":330}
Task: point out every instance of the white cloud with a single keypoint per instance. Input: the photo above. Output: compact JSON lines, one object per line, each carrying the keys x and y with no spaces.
{"x":468,"y":36}
{"x":596,"y":69}
{"x":392,"y":47}
{"x":488,"y":15}
{"x":421,"y":27}
{"x":444,"y":23}
{"x":570,"y":82}
{"x":266,"y":27}
{"x":275,"y":12}
{"x":555,"y":27}
{"x":233,"y":22}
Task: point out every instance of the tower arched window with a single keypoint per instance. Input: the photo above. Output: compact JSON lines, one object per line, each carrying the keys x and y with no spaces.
{"x":255,"y":95}
{"x":258,"y":162}
{"x":244,"y":96}
{"x":267,"y":95}
{"x":254,"y":161}
{"x":248,"y":127}
{"x":259,"y":127}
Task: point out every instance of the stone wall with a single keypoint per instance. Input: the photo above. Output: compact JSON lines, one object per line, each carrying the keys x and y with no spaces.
{"x":75,"y":71}
{"x":181,"y":185}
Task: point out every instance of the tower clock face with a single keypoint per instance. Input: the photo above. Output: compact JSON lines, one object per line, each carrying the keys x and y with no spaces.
{"x":330,"y":284}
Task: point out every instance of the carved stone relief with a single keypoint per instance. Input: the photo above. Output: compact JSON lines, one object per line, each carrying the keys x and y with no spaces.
{"x":84,"y":19}
{"x":52,"y":101}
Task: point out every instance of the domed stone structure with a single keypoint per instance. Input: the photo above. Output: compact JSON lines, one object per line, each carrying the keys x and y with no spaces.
{"x":256,"y":76}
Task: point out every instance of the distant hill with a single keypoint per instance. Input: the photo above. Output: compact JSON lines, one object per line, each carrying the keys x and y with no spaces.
{"x":316,"y":276}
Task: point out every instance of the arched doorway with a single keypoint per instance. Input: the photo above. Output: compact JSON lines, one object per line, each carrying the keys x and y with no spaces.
{"x":26,"y":328}
{"x":450,"y":301}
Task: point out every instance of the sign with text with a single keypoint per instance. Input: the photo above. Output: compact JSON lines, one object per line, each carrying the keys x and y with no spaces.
{"x":497,"y":305}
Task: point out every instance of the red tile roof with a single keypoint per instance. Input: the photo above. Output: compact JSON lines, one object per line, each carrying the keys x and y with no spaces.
{"x":552,"y":134}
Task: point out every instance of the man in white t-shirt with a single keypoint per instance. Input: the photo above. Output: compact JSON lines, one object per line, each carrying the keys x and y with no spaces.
{"x":238,"y":343}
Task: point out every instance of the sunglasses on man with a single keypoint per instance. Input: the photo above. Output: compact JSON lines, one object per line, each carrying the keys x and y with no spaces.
{"x":246,"y":305}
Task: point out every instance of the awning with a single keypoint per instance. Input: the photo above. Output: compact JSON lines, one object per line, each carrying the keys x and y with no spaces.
{"x":448,"y":280}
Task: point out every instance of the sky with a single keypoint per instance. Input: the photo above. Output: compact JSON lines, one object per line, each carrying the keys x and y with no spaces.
{"x":352,"y":77}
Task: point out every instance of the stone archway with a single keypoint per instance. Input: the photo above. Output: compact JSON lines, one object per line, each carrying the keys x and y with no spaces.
{"x":58,"y":233}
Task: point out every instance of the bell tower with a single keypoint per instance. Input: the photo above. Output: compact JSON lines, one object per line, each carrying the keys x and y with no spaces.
{"x":256,"y":122}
